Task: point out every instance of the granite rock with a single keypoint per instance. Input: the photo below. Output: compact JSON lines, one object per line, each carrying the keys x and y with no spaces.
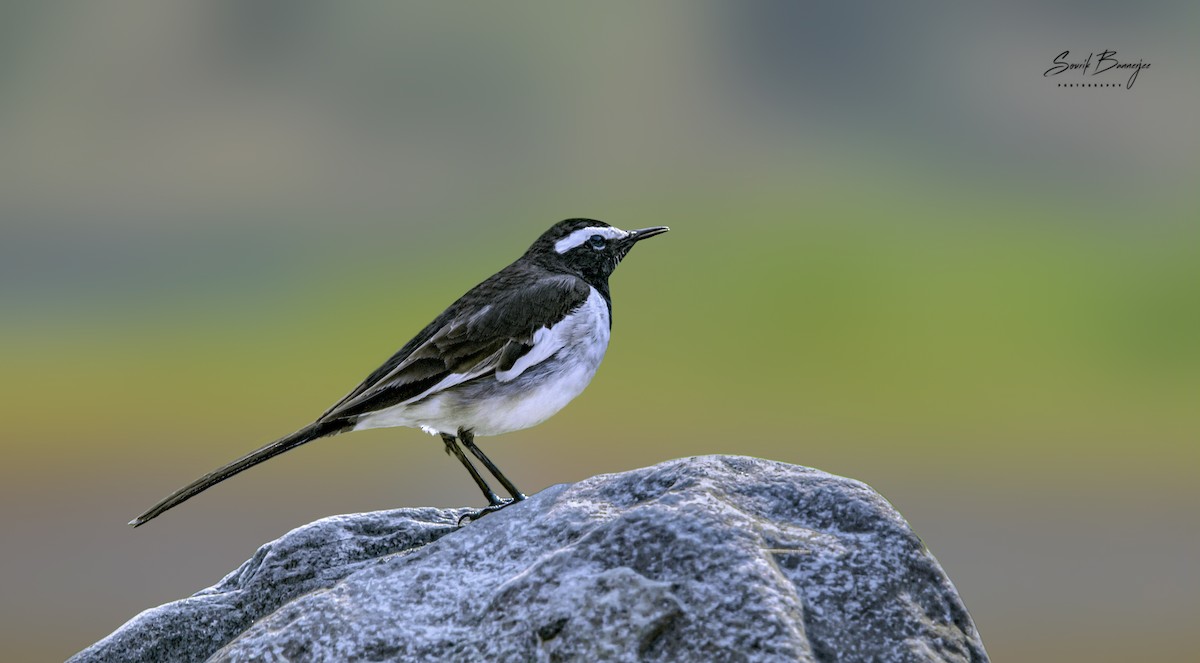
{"x":709,"y":558}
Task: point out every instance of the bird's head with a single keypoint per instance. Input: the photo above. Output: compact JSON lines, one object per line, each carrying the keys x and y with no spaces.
{"x":589,"y":248}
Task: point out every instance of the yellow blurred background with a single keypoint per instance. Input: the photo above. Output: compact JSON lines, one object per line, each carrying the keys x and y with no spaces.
{"x":898,"y":253}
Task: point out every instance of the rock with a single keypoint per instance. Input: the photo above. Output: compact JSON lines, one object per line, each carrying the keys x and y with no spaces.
{"x":710,"y":558}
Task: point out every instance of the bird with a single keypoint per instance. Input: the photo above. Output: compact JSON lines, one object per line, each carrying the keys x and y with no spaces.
{"x":506,"y":356}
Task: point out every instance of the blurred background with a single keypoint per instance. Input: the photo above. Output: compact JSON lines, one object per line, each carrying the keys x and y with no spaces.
{"x":898,"y":253}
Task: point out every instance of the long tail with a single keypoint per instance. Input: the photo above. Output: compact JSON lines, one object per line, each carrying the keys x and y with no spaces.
{"x":307,"y":434}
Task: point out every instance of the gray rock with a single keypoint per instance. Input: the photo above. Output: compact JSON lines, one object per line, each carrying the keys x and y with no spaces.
{"x":711,"y":558}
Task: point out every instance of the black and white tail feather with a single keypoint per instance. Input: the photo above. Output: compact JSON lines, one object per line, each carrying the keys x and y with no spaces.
{"x":307,"y":434}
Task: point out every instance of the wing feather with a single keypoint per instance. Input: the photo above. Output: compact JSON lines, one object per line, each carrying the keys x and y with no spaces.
{"x":496,"y":327}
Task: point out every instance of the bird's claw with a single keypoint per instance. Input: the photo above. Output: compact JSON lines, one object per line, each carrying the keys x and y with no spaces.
{"x":476,"y":515}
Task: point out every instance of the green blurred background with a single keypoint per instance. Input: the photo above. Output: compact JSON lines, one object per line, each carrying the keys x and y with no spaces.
{"x":898,"y":253}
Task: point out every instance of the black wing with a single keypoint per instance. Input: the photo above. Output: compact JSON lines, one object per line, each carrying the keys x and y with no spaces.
{"x":487,"y":329}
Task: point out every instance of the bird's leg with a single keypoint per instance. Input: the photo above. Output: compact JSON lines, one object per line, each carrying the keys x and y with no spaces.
{"x":468,"y":440}
{"x":453,"y":448}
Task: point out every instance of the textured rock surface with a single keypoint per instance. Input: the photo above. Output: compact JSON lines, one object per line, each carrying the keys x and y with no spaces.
{"x":711,"y":558}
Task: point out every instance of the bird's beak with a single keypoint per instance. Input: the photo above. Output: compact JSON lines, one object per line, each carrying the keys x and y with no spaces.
{"x":639,"y":235}
{"x":626,"y":243}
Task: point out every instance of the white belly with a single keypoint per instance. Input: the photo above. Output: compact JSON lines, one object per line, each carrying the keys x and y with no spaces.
{"x":570,"y":353}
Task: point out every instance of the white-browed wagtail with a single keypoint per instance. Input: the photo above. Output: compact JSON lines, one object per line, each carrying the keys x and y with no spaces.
{"x":507,"y":355}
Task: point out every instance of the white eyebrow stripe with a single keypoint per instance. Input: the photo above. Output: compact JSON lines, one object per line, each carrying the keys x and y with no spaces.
{"x":584,"y":234}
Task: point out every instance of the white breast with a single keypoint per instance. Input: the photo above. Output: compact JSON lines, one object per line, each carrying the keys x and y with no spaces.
{"x":580,"y":341}
{"x":558,"y":367}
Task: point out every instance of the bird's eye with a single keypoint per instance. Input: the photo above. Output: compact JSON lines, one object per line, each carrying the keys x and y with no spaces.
{"x":597,"y":242}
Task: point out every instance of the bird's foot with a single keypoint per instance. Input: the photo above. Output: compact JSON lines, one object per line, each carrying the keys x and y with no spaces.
{"x":491,"y":508}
